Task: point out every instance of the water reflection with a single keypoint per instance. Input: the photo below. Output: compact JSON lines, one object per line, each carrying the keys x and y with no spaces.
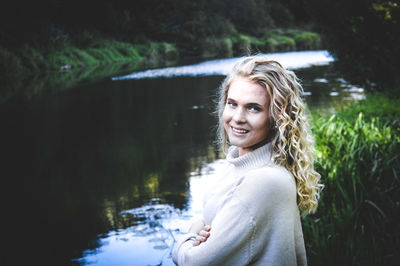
{"x":151,"y":240}
{"x":325,"y":89}
{"x":73,"y":161}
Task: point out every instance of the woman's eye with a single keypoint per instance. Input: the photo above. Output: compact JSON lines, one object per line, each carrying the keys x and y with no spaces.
{"x":254,"y":108}
{"x":232,"y":104}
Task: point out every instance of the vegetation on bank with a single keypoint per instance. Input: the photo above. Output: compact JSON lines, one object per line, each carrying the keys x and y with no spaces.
{"x":358,"y":158}
{"x":273,"y":40}
{"x":33,"y":59}
{"x":87,"y":50}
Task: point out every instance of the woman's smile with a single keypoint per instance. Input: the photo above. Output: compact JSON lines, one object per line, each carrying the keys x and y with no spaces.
{"x":239,"y":131}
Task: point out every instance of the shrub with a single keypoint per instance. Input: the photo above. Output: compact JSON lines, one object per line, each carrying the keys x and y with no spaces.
{"x":357,"y":220}
{"x":280,"y":43}
{"x":242,"y":45}
{"x":306,"y":40}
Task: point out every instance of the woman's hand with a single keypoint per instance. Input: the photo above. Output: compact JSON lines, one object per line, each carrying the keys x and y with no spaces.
{"x":202,"y":231}
{"x":203,"y":235}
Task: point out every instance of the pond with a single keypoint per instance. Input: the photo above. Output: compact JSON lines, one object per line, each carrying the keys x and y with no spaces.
{"x":111,"y":172}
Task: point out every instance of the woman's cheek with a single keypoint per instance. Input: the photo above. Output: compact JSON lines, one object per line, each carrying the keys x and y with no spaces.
{"x":226,"y":116}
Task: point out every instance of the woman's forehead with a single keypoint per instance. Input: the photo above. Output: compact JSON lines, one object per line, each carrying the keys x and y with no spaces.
{"x":245,"y":90}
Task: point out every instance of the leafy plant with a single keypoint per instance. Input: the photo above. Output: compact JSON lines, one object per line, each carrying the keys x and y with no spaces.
{"x":357,"y":220}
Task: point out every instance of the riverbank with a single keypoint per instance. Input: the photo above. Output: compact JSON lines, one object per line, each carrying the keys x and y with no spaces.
{"x":88,"y":50}
{"x":358,"y":157}
{"x":88,"y":56}
{"x":31,"y":59}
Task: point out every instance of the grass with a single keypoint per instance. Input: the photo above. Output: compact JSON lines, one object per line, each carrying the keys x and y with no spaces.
{"x":358,"y":158}
{"x":273,"y":40}
{"x":33,"y":59}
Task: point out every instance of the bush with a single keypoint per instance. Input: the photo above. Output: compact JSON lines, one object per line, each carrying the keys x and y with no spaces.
{"x":306,"y":40}
{"x":357,"y":220}
{"x":242,"y":45}
{"x":280,"y":43}
{"x":216,"y":48}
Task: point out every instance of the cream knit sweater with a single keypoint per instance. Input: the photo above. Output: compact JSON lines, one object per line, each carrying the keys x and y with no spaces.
{"x":253,"y":215}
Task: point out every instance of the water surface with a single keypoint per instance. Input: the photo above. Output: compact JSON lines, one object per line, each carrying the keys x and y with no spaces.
{"x":110,"y":172}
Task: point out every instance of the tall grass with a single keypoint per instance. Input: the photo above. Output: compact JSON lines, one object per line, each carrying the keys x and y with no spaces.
{"x":272,"y":40}
{"x":32,"y":59}
{"x":357,"y":222}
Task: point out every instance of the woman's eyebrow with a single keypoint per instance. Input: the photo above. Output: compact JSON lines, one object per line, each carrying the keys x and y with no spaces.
{"x":247,"y":104}
{"x":254,"y":104}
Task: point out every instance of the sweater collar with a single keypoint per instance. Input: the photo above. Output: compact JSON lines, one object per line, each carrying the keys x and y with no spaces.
{"x":250,"y":160}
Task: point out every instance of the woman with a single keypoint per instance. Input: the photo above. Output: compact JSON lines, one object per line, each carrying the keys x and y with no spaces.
{"x":251,"y":216}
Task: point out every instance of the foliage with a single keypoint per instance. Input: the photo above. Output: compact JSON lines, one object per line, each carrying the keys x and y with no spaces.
{"x":32,"y":59}
{"x":306,"y":40}
{"x":364,"y":36}
{"x":10,"y":63}
{"x":358,"y":158}
{"x":384,"y":106}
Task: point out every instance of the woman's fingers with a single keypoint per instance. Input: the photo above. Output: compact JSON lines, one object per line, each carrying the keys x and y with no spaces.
{"x":204,"y":233}
{"x":201,"y":238}
{"x":196,"y":243}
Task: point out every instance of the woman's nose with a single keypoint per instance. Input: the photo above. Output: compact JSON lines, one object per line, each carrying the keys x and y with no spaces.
{"x":239,"y":116}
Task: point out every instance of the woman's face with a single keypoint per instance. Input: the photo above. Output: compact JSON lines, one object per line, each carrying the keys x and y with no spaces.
{"x":246,"y":115}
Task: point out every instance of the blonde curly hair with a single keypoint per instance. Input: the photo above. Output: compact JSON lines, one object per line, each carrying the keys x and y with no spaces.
{"x":292,"y":144}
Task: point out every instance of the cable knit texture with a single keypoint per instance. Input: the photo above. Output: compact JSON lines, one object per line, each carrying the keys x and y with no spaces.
{"x":253,"y":214}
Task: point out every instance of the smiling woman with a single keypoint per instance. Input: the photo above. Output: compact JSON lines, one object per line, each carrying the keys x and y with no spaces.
{"x":252,"y":211}
{"x":246,"y":116}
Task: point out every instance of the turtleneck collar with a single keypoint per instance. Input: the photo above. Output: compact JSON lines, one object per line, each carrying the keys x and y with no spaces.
{"x":250,"y":160}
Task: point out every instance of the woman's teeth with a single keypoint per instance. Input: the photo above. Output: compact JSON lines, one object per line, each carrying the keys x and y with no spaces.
{"x":241,"y":131}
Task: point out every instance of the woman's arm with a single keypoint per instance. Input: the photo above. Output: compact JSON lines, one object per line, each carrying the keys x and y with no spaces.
{"x":256,"y":221}
{"x":229,"y":242}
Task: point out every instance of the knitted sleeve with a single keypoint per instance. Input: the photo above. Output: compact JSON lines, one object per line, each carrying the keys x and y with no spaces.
{"x":229,"y":242}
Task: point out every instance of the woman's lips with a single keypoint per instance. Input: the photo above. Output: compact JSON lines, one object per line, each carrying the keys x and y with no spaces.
{"x":240,"y":131}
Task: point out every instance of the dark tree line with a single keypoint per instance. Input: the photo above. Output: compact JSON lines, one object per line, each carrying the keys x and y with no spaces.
{"x":169,"y":20}
{"x":362,"y":34}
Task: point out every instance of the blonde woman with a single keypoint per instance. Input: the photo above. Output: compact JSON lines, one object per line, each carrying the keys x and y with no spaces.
{"x":252,"y":214}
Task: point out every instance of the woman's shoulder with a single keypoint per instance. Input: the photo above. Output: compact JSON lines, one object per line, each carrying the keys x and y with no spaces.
{"x":271,"y":176}
{"x":270,"y":184}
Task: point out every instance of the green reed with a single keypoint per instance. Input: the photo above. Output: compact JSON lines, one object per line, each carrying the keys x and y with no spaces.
{"x":357,"y":221}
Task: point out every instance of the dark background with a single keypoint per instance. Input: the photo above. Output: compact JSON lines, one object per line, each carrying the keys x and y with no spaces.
{"x":362,"y":34}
